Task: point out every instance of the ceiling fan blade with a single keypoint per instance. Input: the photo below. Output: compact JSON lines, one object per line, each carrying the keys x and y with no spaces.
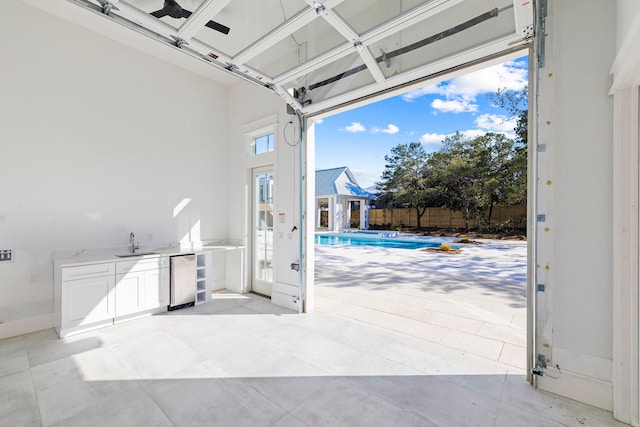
{"x":159,"y":13}
{"x":173,"y":9}
{"x":218,"y":27}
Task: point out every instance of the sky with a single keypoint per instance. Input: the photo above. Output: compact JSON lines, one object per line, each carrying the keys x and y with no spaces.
{"x":360,"y":138}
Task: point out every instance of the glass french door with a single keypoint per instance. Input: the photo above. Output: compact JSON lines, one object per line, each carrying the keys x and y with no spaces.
{"x":263,"y":216}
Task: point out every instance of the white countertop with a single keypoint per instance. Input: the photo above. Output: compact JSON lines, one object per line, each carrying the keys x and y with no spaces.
{"x":84,"y":258}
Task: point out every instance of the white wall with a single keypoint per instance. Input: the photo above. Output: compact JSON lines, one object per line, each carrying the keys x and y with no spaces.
{"x":98,"y":140}
{"x":626,"y":299}
{"x":252,"y":107}
{"x":628,"y":11}
{"x":575,"y":245}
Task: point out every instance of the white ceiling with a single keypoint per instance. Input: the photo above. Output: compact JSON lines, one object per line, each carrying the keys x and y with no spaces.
{"x":328,"y":51}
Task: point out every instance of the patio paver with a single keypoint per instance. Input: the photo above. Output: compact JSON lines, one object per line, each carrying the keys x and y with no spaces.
{"x":474,"y":301}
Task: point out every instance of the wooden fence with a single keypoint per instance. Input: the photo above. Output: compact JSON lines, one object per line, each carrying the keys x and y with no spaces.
{"x":441,"y":217}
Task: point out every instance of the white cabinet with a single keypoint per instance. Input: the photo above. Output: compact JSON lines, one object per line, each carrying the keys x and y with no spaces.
{"x":235,"y":279}
{"x":157,"y":288}
{"x":129,"y":291}
{"x":95,"y":295}
{"x":84,"y":297}
{"x":225,"y":269}
{"x":218,"y":268}
{"x":141,"y":285}
{"x":216,"y":271}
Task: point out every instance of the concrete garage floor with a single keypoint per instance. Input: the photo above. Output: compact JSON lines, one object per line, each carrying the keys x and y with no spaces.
{"x":241,"y":361}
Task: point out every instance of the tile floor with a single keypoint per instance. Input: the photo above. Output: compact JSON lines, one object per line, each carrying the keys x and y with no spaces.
{"x":242,"y":361}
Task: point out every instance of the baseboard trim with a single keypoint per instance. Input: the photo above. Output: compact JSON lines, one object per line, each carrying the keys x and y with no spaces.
{"x":284,"y":300}
{"x":15,"y":328}
{"x":588,"y":390}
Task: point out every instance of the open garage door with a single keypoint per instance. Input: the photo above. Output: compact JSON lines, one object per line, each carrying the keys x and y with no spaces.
{"x":320,"y":54}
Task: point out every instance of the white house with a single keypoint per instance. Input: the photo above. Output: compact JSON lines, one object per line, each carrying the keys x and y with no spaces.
{"x":337,"y":196}
{"x":113,"y":121}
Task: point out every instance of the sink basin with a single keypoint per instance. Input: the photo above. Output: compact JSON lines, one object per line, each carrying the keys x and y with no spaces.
{"x":135,"y":254}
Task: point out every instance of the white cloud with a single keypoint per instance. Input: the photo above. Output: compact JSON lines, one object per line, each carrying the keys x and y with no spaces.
{"x":418,"y":93}
{"x":496,"y":123}
{"x":390,"y":129}
{"x":365,"y":177}
{"x":459,"y":94}
{"x":510,"y":75}
{"x":433,"y":141}
{"x":355,"y":127}
{"x":318,"y":121}
{"x":472,"y":133}
{"x":432,"y":138}
{"x":454,"y":106}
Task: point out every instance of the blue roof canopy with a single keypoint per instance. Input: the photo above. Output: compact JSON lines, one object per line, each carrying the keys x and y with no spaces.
{"x":339,"y":182}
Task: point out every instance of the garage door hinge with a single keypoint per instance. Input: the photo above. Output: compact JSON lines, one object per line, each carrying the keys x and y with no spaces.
{"x":541,"y":218}
{"x":107,"y":6}
{"x":542,"y":360}
{"x":542,"y":148}
{"x":540,"y":287}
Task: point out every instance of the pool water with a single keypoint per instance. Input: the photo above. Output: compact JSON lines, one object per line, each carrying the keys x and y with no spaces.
{"x":379,"y":240}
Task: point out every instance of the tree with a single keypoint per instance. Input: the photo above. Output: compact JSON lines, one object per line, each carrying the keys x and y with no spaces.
{"x":457,"y":175}
{"x":516,"y":102}
{"x":405,"y":179}
{"x":473,"y":175}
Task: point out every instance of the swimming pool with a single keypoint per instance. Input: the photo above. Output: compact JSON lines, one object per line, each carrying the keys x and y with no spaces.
{"x":380,"y":239}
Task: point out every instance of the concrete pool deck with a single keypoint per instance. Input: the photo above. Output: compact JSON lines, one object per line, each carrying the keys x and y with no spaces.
{"x":473,"y":302}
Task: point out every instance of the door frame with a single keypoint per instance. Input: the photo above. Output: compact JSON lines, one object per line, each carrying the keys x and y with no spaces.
{"x":533,"y":307}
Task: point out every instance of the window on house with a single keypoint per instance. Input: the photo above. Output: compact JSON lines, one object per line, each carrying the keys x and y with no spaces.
{"x":264,"y":144}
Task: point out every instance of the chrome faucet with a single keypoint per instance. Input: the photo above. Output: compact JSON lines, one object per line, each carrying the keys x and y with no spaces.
{"x":132,"y":241}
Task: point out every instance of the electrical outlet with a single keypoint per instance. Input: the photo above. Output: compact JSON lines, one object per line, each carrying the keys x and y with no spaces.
{"x":6,"y":255}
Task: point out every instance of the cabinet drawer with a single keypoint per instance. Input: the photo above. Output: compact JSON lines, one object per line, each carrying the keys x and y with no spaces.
{"x":123,"y":267}
{"x":88,"y":271}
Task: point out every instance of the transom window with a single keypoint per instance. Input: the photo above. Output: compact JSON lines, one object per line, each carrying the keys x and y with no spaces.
{"x":264,"y":144}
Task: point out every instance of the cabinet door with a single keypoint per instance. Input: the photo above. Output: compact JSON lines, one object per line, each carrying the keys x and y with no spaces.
{"x":87,"y":301}
{"x":156,"y":288}
{"x":129,"y":293}
{"x":234,"y":271}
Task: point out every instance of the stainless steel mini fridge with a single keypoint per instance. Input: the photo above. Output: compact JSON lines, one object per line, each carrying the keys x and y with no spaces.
{"x":183,"y":281}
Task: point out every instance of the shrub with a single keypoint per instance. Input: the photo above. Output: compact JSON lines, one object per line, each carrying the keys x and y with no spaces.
{"x":464,"y":240}
{"x":445,"y":247}
{"x":399,"y":227}
{"x":510,"y":225}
